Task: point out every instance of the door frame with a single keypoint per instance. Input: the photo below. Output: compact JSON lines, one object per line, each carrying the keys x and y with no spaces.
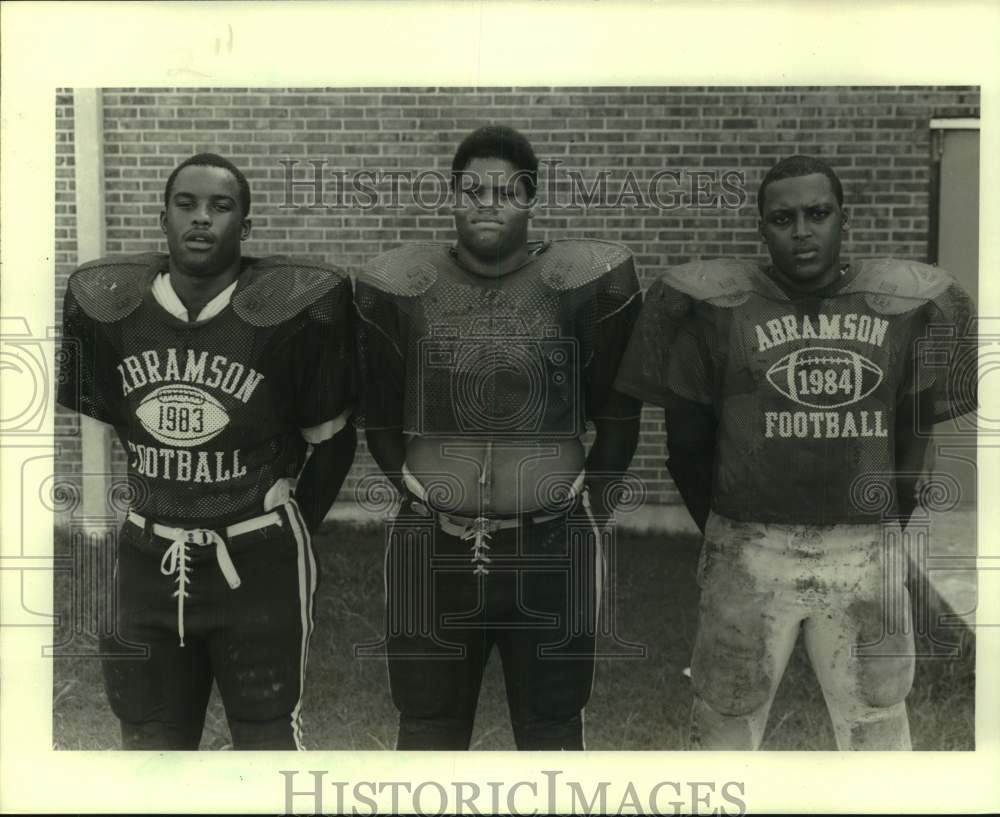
{"x":937,"y":129}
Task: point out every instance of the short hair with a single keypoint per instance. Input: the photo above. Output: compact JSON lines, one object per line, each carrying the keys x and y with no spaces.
{"x":498,"y":142}
{"x":212,"y":160}
{"x":795,"y":166}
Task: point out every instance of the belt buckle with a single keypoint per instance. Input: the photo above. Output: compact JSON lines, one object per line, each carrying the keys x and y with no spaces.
{"x":484,"y":525}
{"x":199,"y":537}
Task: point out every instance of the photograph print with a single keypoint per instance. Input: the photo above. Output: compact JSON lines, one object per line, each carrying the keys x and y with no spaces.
{"x":633,"y":418}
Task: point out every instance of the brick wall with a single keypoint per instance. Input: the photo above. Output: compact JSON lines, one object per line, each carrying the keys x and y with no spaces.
{"x":877,"y":138}
{"x":66,"y":424}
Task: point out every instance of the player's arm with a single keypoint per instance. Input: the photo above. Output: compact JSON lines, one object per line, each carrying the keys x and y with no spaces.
{"x":615,"y":415}
{"x":381,"y":373}
{"x":914,"y":432}
{"x":388,"y":448}
{"x":941,"y":385}
{"x":323,"y":391}
{"x":608,"y":460}
{"x":691,"y":434}
{"x":326,"y":469}
{"x":667,"y":363}
{"x":86,"y":382}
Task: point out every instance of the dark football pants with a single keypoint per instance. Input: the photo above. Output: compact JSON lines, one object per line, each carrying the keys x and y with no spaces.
{"x":535,"y":600}
{"x":253,"y":641}
{"x":843,"y":588}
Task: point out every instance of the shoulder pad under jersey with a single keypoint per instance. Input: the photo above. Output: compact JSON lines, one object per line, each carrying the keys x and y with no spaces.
{"x":409,"y":270}
{"x":274,"y":289}
{"x":111,"y":288}
{"x":575,"y":262}
{"x":724,"y":282}
{"x":893,"y":286}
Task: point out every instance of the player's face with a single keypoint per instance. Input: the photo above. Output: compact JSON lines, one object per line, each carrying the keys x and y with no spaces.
{"x":802,"y":226}
{"x":493,"y":209}
{"x":203,"y":221}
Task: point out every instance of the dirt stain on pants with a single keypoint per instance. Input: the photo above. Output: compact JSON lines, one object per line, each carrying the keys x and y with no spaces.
{"x":759,"y":588}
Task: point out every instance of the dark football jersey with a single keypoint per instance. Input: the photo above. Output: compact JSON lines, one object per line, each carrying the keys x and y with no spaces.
{"x":209,"y":412}
{"x":446,"y":352}
{"x":805,"y":388}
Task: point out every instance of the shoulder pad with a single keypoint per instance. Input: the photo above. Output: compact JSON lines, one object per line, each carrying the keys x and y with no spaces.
{"x":575,"y":262}
{"x":893,"y":286}
{"x":409,"y":270}
{"x":110,"y":289}
{"x":272,"y":290}
{"x":665,"y":301}
{"x":724,"y":282}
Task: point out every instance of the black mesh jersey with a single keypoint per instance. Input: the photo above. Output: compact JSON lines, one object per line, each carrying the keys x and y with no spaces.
{"x":444,"y":351}
{"x":209,"y":413}
{"x":806,"y":388}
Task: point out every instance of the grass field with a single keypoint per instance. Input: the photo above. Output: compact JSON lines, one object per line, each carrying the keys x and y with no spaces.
{"x":637,"y":704}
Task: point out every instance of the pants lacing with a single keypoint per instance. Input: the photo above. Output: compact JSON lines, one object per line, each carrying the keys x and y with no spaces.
{"x":177,"y":561}
{"x":479,"y":531}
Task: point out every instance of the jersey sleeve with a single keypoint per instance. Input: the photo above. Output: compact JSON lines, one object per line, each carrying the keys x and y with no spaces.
{"x":381,"y":356}
{"x":666,"y":355}
{"x":319,"y":381}
{"x":616,"y":307}
{"x":944,"y":357}
{"x":87,"y":377}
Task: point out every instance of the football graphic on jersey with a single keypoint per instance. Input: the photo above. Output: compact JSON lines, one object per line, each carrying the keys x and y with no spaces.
{"x":825,"y":378}
{"x":181,"y":415}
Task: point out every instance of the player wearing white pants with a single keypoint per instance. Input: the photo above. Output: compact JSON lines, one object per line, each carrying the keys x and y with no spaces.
{"x":785,"y":388}
{"x":826,"y":582}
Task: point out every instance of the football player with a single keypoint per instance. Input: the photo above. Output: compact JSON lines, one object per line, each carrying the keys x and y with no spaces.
{"x":797,"y":400}
{"x":228,"y":381}
{"x":481,"y":363}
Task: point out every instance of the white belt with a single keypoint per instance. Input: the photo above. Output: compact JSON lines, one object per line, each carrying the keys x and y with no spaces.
{"x":480,"y":528}
{"x":176,"y":559}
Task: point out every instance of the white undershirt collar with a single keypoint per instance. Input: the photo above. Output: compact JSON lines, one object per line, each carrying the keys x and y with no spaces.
{"x":166,"y":297}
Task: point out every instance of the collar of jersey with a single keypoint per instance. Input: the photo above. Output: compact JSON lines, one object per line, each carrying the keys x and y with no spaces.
{"x":848,"y":272}
{"x":163,"y":292}
{"x":535,"y":249}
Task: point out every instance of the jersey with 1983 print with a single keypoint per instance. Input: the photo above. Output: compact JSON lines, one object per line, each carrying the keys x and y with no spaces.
{"x":805,"y":388}
{"x":209,"y":412}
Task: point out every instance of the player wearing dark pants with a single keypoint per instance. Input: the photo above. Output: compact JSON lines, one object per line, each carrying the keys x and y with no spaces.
{"x":797,"y":396}
{"x":536,"y":605}
{"x":480,"y":365}
{"x":227,"y":635}
{"x":228,"y":382}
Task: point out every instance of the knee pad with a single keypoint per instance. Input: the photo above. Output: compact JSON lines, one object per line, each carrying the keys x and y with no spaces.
{"x":730,"y":671}
{"x":883,"y":668}
{"x":884,"y":682}
{"x":731,"y":667}
{"x":710,"y":729}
